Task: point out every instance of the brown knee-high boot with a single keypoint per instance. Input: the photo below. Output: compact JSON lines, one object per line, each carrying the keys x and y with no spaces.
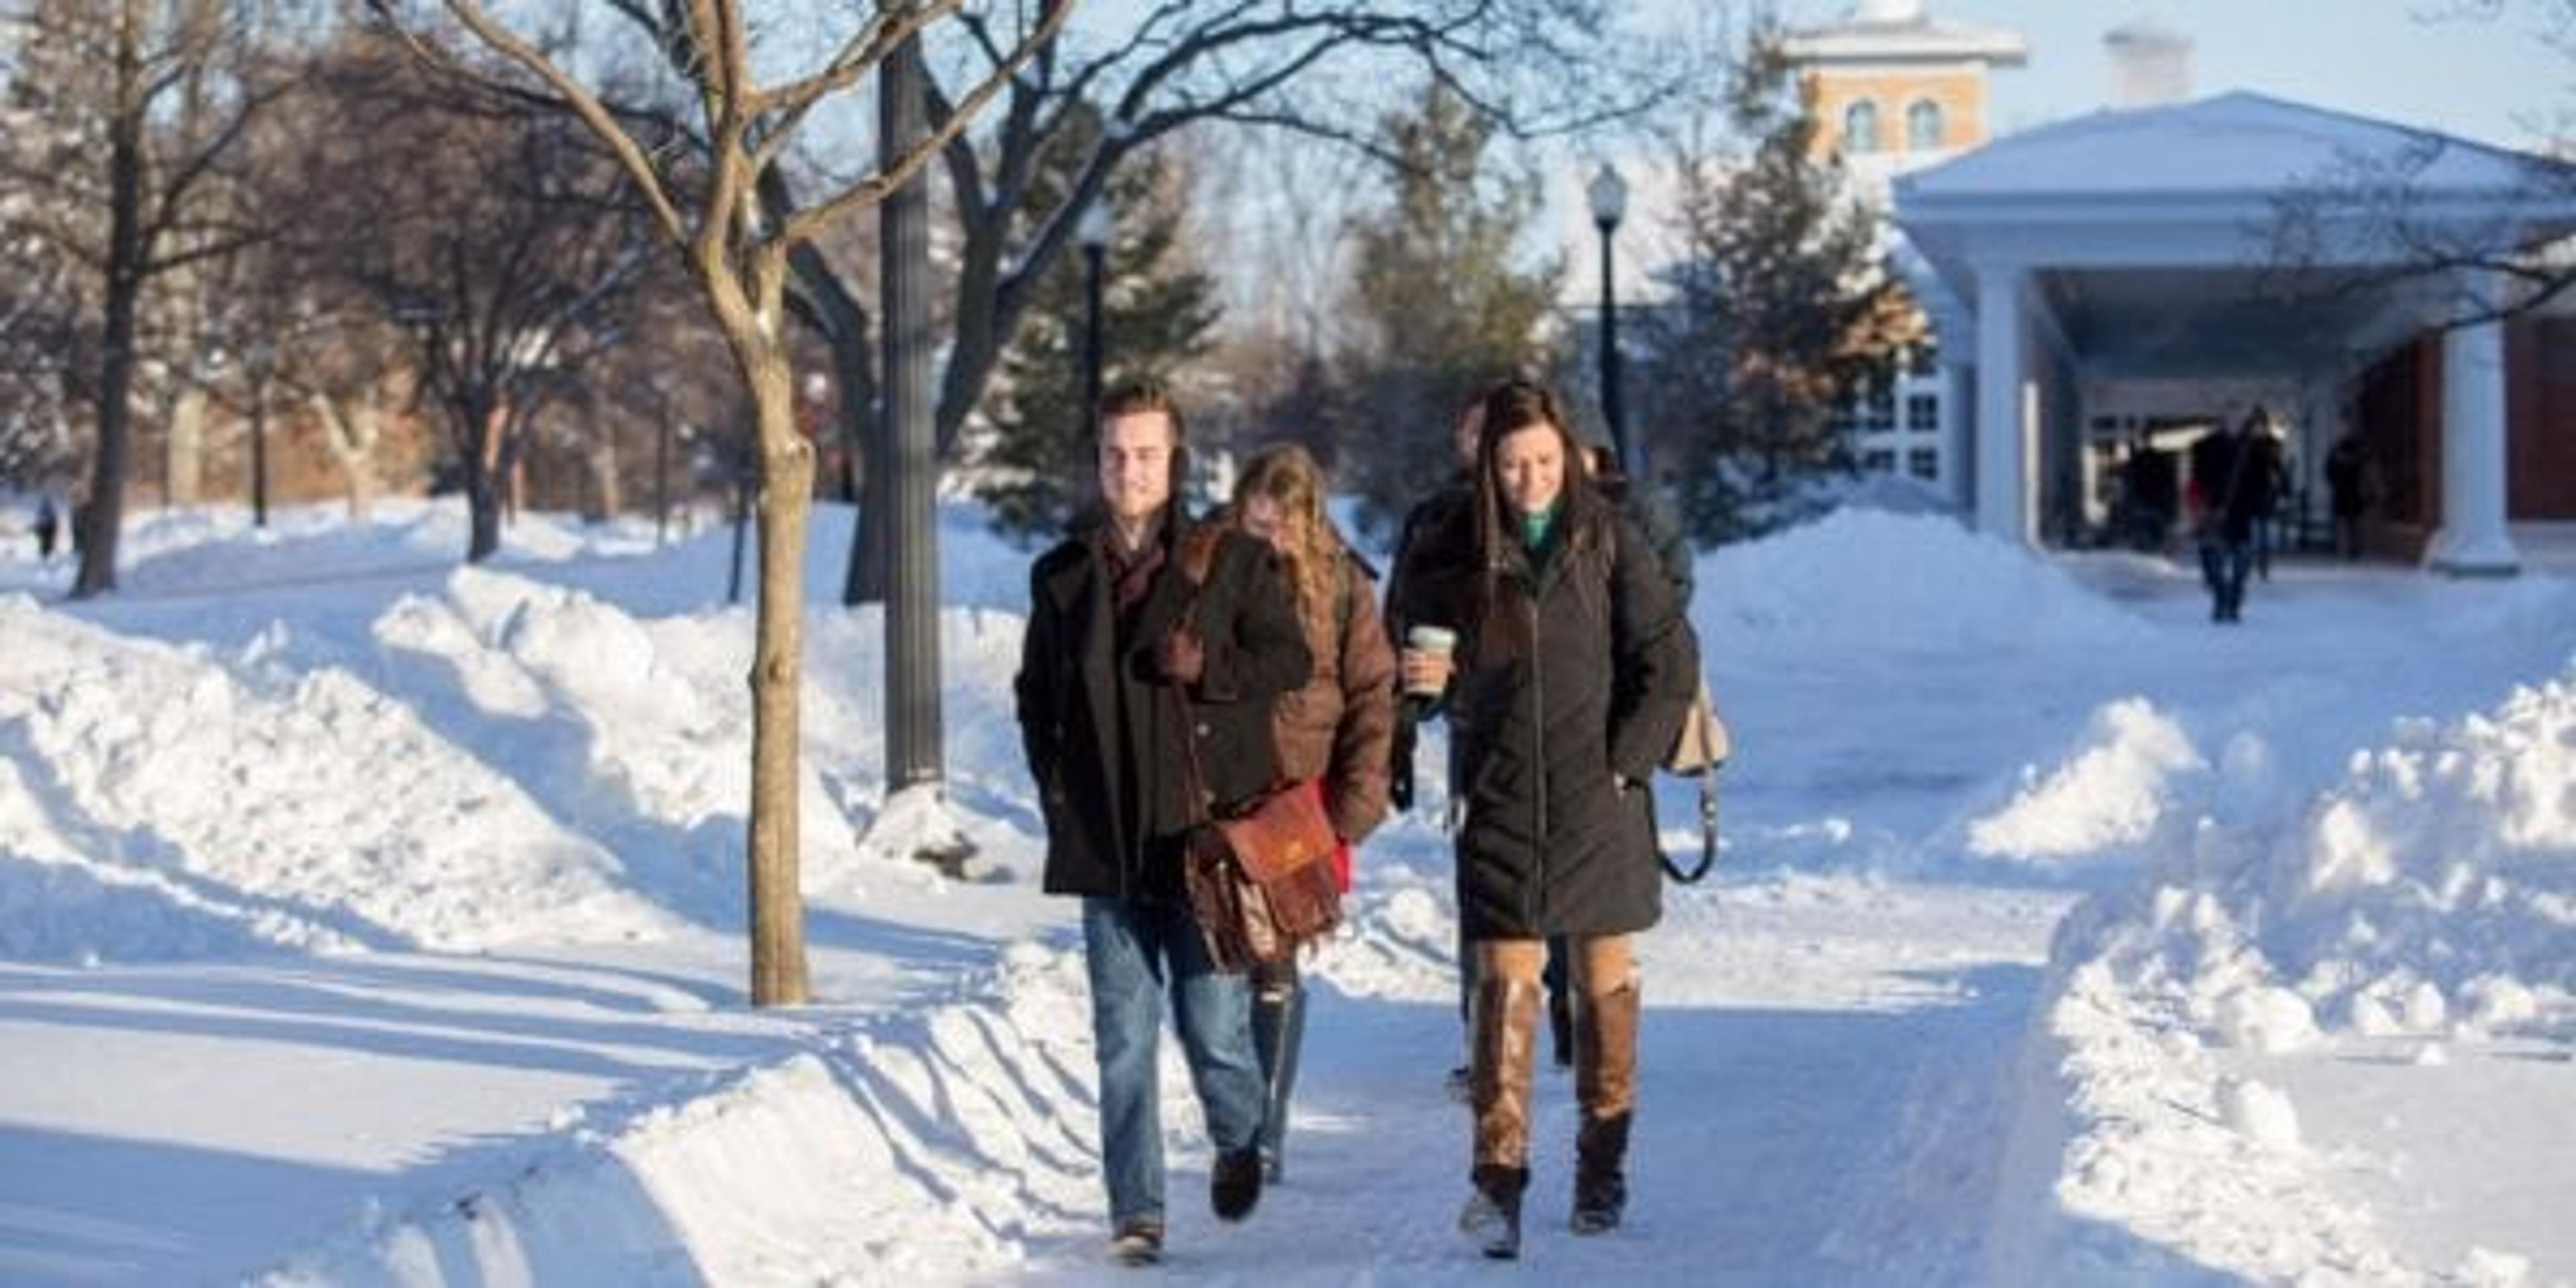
{"x":1504,"y":1028}
{"x":1605,"y":1081}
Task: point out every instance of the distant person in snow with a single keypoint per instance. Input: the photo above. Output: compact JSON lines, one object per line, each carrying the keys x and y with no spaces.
{"x":2234,"y":472}
{"x":1155,"y":650}
{"x":1334,"y":733}
{"x":1573,"y":677}
{"x":49,"y":525}
{"x":2350,"y":492}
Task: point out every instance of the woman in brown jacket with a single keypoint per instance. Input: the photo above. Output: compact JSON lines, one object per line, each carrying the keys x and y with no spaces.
{"x":1335,"y":732}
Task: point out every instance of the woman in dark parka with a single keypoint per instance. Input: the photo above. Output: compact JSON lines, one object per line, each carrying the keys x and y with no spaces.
{"x":1573,"y":675}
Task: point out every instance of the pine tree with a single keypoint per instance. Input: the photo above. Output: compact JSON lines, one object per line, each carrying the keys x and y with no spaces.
{"x":1158,"y":314}
{"x":1781,"y":311}
{"x":1442,"y":306}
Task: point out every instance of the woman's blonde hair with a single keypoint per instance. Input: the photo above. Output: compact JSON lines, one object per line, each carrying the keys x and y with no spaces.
{"x":1287,"y":476}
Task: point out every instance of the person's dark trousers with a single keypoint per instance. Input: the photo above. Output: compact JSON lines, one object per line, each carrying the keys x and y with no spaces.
{"x":1560,"y":1004}
{"x":1278,"y":1033}
{"x":1135,"y":953}
{"x":2224,"y":567}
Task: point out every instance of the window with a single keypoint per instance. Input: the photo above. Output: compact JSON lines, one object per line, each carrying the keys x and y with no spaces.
{"x":1860,"y":127}
{"x":1924,"y":463}
{"x":1923,"y":357}
{"x":1879,"y":413}
{"x":1922,"y":413}
{"x":1878,"y":460}
{"x":1923,"y":126}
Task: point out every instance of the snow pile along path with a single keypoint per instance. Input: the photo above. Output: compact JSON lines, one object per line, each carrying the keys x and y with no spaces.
{"x":175,"y":803}
{"x":2423,"y":905}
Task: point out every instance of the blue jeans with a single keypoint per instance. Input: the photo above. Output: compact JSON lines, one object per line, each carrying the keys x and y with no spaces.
{"x":1135,"y":953}
{"x":2223,"y":566}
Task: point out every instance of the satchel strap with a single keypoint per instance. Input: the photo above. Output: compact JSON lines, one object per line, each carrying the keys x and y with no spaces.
{"x":1707,"y":835}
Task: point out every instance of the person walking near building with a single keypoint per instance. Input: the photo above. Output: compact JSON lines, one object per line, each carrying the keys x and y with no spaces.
{"x":2348,"y":492}
{"x":2233,"y":473}
{"x":1144,"y":698}
{"x":1333,"y":734}
{"x":1572,"y":676}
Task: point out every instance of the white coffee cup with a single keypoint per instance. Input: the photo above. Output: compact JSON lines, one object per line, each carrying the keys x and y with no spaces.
{"x":1430,"y":639}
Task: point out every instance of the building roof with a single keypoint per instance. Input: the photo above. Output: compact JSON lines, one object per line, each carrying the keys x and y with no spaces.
{"x":2228,"y":145}
{"x":1898,"y":31}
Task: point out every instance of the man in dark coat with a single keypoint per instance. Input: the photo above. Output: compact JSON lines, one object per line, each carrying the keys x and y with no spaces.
{"x":2235,"y":471}
{"x":1154,"y":652}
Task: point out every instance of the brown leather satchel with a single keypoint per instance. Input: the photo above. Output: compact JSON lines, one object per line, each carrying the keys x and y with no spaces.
{"x":1261,"y":882}
{"x":1260,"y":879}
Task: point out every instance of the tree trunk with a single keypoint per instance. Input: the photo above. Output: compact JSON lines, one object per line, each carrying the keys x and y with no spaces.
{"x":786,"y":499}
{"x":103,"y":515}
{"x":184,"y":449}
{"x":477,"y":418}
{"x":351,"y":436}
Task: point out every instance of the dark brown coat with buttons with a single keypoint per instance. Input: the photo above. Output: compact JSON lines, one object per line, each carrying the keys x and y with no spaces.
{"x":1104,"y":730}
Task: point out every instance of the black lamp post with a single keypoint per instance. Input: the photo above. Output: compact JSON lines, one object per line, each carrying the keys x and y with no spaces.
{"x":1093,"y":232}
{"x":1608,"y":194}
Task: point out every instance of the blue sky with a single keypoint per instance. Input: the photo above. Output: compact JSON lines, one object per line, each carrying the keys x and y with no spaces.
{"x":2402,"y":60}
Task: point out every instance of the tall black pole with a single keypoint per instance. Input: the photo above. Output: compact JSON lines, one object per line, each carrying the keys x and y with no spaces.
{"x":259,"y":455}
{"x":1610,"y":408}
{"x":1092,"y":255}
{"x":913,"y":752}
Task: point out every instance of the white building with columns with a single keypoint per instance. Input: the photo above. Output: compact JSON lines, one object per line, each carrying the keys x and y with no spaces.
{"x":2135,"y":266}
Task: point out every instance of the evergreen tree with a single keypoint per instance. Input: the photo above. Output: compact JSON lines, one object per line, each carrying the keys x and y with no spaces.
{"x":1158,"y":314}
{"x":1780,"y":312}
{"x":1441,"y":306}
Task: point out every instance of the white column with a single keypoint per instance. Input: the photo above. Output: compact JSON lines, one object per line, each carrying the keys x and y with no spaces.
{"x":2003,"y":459}
{"x":1959,"y":424}
{"x":2473,"y":540}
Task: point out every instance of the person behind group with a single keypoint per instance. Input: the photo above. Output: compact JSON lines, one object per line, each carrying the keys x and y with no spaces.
{"x":1428,"y":547}
{"x":2233,"y":473}
{"x":2348,"y":492}
{"x":1144,"y":700}
{"x":1572,"y":675}
{"x":1333,"y":734}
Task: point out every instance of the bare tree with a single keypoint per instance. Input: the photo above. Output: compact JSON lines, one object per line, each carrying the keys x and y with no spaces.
{"x":738,"y":251}
{"x":2376,"y":219}
{"x":1314,"y":68}
{"x":498,"y":237}
{"x":160,"y":94}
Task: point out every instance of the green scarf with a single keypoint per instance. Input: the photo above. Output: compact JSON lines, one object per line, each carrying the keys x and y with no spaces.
{"x":1537,"y":528}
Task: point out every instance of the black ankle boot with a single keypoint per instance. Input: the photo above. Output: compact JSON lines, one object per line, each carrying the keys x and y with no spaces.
{"x":1492,"y":1216}
{"x":1600,"y":1176}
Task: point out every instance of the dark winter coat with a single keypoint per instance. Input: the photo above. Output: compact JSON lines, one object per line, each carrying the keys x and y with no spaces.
{"x":1103,"y":729}
{"x":1568,"y":695}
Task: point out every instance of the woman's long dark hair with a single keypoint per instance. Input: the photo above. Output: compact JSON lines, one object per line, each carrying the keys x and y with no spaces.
{"x":1510,"y":407}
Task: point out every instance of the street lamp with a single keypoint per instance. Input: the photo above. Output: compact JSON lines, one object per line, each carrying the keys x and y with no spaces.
{"x":1093,"y":232}
{"x":1608,"y":194}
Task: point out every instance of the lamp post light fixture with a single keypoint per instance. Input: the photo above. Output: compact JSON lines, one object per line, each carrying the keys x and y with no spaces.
{"x":1093,"y":232}
{"x":1608,"y":194}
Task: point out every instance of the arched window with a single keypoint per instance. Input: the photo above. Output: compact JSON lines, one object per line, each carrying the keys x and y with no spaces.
{"x":1923,"y":126}
{"x":1860,"y":127}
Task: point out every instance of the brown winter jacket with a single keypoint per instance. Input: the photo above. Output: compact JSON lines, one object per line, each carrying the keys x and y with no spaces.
{"x":1339,"y":725}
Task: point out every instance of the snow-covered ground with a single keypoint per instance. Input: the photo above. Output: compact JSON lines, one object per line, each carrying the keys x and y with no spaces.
{"x":365,"y":919}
